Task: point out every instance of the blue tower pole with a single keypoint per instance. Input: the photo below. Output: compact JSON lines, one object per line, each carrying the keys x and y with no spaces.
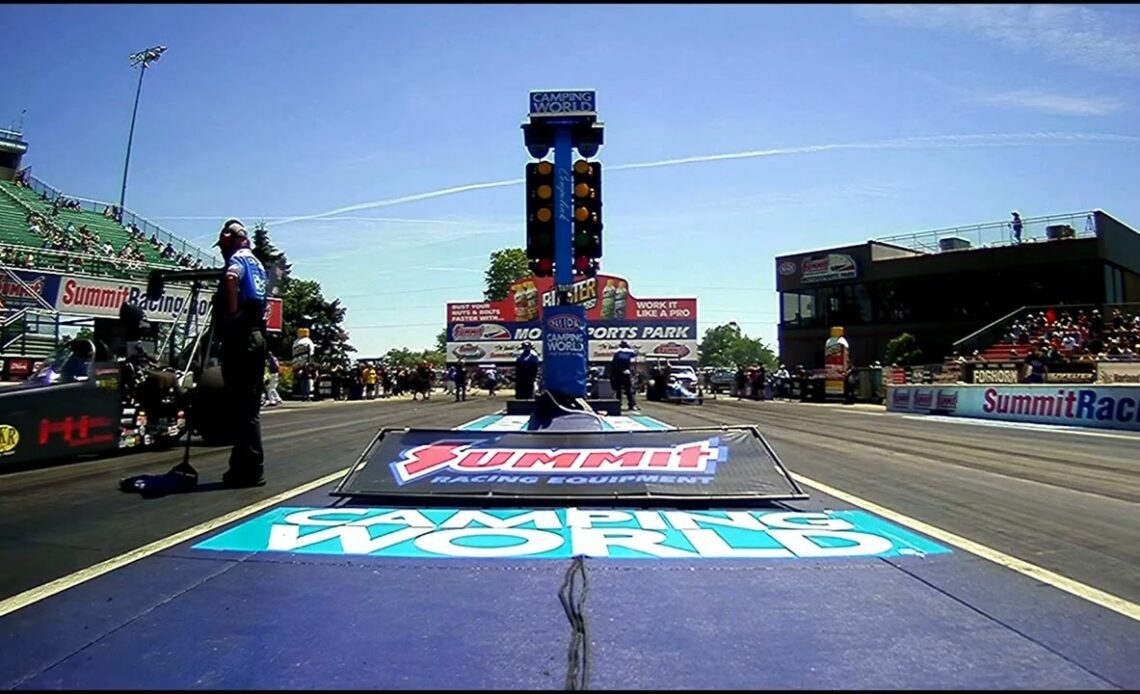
{"x":564,"y":209}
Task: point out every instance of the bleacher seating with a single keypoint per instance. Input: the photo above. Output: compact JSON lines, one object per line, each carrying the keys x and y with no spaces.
{"x":1067,"y":332}
{"x":1001,"y":352}
{"x":15,"y":203}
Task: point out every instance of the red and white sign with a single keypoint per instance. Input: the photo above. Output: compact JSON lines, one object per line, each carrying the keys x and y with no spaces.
{"x":274,"y":315}
{"x":647,"y":350}
{"x":605,"y":297}
{"x":494,"y":330}
{"x":459,"y":456}
{"x":480,"y":331}
{"x":827,"y":268}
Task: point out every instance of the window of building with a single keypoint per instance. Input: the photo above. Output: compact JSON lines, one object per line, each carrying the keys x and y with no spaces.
{"x":797,"y":309}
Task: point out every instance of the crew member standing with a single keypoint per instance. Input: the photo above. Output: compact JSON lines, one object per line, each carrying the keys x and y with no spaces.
{"x":240,"y":305}
{"x":461,"y":381}
{"x":272,"y":397}
{"x":526,"y":371}
{"x":621,"y":373}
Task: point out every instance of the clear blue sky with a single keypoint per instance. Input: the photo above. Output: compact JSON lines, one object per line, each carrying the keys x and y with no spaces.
{"x":284,"y":111}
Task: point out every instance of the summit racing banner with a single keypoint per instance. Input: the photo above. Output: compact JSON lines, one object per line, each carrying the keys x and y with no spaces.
{"x":1106,"y":407}
{"x":101,"y":297}
{"x":89,"y":296}
{"x":44,"y":285}
{"x":494,"y":331}
{"x":560,"y":533}
{"x":731,"y":462}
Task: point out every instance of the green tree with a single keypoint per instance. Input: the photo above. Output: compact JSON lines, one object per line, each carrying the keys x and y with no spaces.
{"x":436,"y":357}
{"x":401,"y":358}
{"x":728,"y":346}
{"x":441,"y":341}
{"x":507,"y":266}
{"x":903,"y":351}
{"x":304,"y":305}
{"x":277,"y":266}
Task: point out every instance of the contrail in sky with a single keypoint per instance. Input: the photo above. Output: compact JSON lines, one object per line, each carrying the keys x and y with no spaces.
{"x":930,"y":141}
{"x":271,"y":220}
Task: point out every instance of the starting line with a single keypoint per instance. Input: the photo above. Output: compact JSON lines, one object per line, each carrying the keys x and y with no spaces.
{"x":500,"y":422}
{"x":818,"y":594}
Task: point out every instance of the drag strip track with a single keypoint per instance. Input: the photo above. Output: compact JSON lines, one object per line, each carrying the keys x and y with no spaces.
{"x":61,"y":519}
{"x":1101,"y":467}
{"x":1065,"y":502}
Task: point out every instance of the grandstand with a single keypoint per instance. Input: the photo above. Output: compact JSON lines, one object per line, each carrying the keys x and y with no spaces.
{"x":44,"y":232}
{"x":17,"y":202}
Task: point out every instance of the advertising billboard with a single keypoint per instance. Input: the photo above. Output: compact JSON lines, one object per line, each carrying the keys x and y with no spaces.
{"x":1105,"y":407}
{"x":101,"y":297}
{"x":493,"y":331}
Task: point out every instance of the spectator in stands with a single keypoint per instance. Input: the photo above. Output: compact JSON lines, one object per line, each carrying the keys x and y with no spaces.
{"x":1052,"y":352}
{"x":1035,"y":366}
{"x":106,"y":212}
{"x":1016,"y":226}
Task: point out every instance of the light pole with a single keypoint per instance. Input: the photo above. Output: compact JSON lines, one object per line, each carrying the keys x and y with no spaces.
{"x":145,"y":58}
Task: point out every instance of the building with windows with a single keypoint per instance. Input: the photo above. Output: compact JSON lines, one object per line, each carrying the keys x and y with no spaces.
{"x":943,"y":285}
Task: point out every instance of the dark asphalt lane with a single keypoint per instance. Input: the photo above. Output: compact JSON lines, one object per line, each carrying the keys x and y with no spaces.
{"x":65,"y":518}
{"x":1065,"y":501}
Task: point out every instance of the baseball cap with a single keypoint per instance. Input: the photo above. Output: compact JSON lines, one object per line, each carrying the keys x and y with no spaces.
{"x":232,"y":228}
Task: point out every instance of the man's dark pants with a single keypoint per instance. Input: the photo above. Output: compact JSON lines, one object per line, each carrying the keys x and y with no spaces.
{"x":243,"y":367}
{"x":524,"y":383}
{"x":624,"y":383}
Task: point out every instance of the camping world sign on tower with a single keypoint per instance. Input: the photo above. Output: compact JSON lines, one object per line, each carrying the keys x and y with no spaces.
{"x":568,"y":102}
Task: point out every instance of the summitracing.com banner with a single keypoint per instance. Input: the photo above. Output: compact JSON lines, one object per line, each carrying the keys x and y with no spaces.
{"x":101,"y":297}
{"x":1105,"y":407}
{"x":493,"y":331}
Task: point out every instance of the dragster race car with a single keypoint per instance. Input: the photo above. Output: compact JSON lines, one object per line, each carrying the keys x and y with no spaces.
{"x":91,"y":398}
{"x":679,"y":386}
{"x":678,"y":391}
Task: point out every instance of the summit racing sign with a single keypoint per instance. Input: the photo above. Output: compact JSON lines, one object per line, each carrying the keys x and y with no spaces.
{"x":486,"y":464}
{"x":703,"y":463}
{"x":1107,"y":407}
{"x":561,"y":533}
{"x":98,"y":297}
{"x":827,"y":268}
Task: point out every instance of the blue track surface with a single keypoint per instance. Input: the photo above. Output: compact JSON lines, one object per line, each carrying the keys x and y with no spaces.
{"x":199,"y":618}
